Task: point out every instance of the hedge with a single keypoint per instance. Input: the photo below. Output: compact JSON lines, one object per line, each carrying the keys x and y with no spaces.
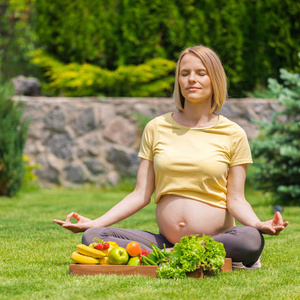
{"x":153,"y":78}
{"x":253,"y":38}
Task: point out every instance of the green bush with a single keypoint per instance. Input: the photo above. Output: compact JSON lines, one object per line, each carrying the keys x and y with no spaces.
{"x":153,"y":78}
{"x":278,"y":146}
{"x":18,"y":37}
{"x":13,"y":135}
{"x":253,"y":38}
{"x":30,"y":181}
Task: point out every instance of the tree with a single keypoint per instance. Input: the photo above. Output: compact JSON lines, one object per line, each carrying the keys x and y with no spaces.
{"x":13,"y":135}
{"x":277,"y":148}
{"x":253,"y":38}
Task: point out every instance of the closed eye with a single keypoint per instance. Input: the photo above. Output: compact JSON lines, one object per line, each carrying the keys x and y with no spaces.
{"x":198,"y":72}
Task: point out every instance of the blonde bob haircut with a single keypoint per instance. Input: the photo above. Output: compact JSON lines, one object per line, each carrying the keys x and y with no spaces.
{"x":215,"y":71}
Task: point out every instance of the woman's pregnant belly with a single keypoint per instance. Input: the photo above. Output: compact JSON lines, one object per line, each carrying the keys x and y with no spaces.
{"x":179,"y":216}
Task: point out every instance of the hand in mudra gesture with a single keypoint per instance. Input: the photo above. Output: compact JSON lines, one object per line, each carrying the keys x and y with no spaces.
{"x":82,"y":224}
{"x":272,"y":227}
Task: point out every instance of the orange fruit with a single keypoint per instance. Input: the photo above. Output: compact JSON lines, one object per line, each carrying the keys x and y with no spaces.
{"x":133,"y":249}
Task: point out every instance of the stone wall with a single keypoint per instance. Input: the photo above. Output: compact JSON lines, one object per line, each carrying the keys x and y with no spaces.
{"x":92,"y":140}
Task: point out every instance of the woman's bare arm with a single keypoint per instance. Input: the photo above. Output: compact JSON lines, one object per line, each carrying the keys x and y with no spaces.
{"x":240,"y":208}
{"x":135,"y":201}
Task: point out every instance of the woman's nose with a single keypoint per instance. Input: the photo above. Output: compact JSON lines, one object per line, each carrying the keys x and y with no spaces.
{"x":192,"y":77}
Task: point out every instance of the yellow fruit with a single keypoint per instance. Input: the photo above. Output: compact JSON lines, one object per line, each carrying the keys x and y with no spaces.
{"x":88,"y":251}
{"x":104,"y":260}
{"x":111,"y":246}
{"x":82,"y":259}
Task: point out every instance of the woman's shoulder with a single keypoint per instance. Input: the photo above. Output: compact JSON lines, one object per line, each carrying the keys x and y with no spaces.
{"x":231,"y":126}
{"x":160,"y":120}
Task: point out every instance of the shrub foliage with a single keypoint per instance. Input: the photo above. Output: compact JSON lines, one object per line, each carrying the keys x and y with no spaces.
{"x":153,"y":78}
{"x":253,"y":38}
{"x":278,"y":145}
{"x":18,"y":37}
{"x":13,"y":135}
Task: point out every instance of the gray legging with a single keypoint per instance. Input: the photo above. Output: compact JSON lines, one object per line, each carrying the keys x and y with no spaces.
{"x":242,"y":243}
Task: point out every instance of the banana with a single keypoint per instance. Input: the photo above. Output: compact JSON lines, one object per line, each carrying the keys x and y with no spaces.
{"x":104,"y":261}
{"x":82,"y":259}
{"x":88,"y":251}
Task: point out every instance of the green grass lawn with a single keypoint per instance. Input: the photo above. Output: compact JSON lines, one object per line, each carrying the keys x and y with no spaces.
{"x":35,"y":254}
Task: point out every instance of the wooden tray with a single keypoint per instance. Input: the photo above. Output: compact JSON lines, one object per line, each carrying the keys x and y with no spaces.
{"x":149,"y":271}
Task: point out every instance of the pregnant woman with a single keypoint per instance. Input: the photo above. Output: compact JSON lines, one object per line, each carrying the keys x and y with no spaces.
{"x":196,"y":161}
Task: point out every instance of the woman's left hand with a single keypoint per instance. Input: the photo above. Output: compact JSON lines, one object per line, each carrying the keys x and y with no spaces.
{"x":272,"y":227}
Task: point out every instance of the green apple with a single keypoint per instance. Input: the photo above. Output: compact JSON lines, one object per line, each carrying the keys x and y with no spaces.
{"x":134,"y":261}
{"x":118,"y":256}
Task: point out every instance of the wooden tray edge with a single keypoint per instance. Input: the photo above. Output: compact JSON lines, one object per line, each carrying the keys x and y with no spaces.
{"x":125,"y":270}
{"x":82,"y":269}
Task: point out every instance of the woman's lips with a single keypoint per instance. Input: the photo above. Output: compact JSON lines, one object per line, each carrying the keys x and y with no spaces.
{"x":193,"y":88}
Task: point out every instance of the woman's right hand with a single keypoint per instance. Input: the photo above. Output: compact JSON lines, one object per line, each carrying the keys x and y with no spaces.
{"x":82,"y":225}
{"x":135,"y":201}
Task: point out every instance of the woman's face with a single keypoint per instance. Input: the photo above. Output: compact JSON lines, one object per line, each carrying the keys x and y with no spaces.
{"x":194,"y":82}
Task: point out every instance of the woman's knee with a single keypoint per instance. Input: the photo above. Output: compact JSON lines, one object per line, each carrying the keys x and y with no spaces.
{"x":253,"y":239}
{"x":242,"y":244}
{"x":251,"y":245}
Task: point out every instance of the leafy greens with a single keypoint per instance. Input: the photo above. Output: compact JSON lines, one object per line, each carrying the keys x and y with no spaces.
{"x":193,"y":252}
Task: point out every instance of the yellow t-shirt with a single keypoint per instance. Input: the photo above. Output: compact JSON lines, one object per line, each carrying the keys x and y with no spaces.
{"x":194,"y":162}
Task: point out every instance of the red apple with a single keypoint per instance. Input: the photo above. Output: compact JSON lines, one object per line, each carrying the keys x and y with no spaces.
{"x":118,"y":256}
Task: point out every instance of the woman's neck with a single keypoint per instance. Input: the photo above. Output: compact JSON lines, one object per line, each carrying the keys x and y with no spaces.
{"x":195,"y":116}
{"x":195,"y":119}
